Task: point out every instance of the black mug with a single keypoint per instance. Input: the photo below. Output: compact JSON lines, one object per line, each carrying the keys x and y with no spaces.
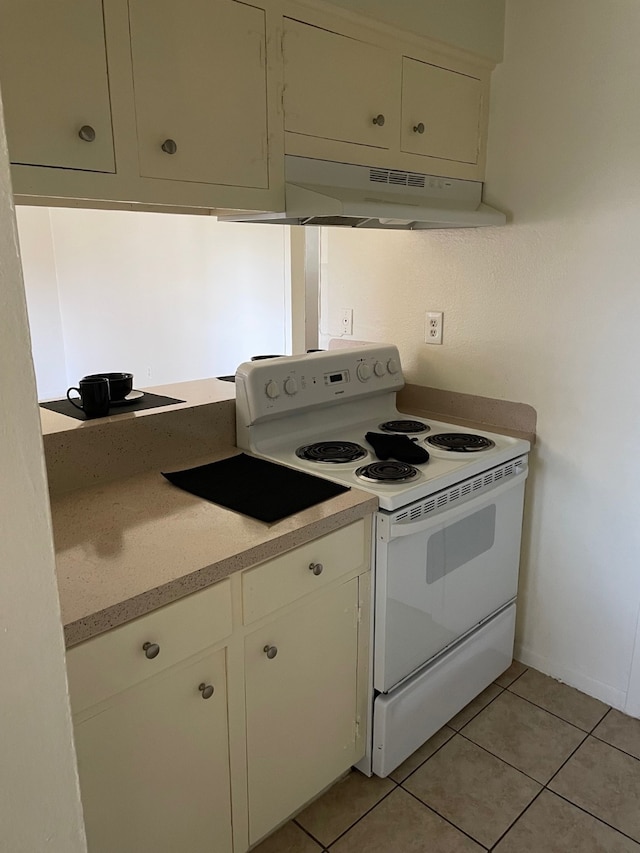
{"x":94,"y":397}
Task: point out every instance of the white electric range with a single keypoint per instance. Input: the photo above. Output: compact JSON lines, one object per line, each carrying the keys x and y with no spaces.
{"x":446,"y":543}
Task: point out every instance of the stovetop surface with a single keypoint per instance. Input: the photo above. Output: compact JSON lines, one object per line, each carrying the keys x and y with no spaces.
{"x":335,"y":397}
{"x":443,"y":469}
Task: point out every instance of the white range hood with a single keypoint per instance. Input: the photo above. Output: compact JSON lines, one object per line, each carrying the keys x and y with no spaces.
{"x":318,"y":192}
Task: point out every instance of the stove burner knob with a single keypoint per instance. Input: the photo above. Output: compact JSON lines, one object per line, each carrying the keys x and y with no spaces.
{"x":393,"y":366}
{"x":363,"y":372}
{"x":272,"y":390}
{"x":379,"y":369}
{"x":290,"y":386}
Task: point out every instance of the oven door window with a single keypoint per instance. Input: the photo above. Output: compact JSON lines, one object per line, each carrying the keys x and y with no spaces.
{"x":436,"y":584}
{"x":460,"y":543}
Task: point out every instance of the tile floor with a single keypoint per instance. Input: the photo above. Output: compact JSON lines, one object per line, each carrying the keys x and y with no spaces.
{"x":530,"y":766}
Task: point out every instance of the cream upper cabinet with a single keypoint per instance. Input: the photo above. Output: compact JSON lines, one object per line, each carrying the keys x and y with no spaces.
{"x":154,"y":765}
{"x":441,"y":112}
{"x":302,"y":704}
{"x":199,"y":74}
{"x":55,"y":89}
{"x":339,"y":88}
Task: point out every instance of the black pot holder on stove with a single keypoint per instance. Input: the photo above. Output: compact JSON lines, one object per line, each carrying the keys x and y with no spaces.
{"x":399,"y":447}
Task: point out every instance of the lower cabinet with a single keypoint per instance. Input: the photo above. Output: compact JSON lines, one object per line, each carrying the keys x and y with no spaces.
{"x":203,"y":725}
{"x":154,"y":765}
{"x":301,"y":697}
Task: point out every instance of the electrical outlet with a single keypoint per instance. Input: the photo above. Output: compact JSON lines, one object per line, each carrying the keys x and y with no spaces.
{"x":347,"y":321}
{"x":433,"y":327}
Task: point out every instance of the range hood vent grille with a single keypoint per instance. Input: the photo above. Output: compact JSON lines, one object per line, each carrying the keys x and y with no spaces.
{"x":396,"y":178}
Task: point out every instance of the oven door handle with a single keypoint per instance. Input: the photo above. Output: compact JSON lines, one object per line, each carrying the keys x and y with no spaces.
{"x":452,"y":514}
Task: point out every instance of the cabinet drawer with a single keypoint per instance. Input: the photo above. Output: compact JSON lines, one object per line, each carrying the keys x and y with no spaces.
{"x":114,"y":661}
{"x":287,"y":578}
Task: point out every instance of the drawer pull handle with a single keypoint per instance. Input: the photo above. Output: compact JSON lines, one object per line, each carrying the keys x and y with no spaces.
{"x":316,"y":568}
{"x":207,"y":690}
{"x":87,"y":133}
{"x":418,"y":128}
{"x":379,"y":120}
{"x":270,"y":651}
{"x":169,"y":146}
{"x":151,"y":650}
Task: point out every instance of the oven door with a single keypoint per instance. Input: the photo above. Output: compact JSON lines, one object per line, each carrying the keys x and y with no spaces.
{"x":439,"y":577}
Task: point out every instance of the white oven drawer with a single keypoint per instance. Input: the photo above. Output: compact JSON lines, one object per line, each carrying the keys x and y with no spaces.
{"x":407,"y":717}
{"x":440,"y":577}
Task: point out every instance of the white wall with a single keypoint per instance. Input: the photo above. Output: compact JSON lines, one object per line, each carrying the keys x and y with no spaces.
{"x":39,"y":800}
{"x":165,"y":297}
{"x":475,"y":25}
{"x":544,"y":311}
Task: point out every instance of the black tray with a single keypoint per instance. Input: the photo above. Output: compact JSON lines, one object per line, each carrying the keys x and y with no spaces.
{"x":149,"y":401}
{"x":255,"y":487}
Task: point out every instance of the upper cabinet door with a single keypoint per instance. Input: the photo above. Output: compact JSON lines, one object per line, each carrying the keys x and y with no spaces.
{"x":199,"y":71}
{"x":55,"y":89}
{"x":441,"y":112}
{"x":339,"y":88}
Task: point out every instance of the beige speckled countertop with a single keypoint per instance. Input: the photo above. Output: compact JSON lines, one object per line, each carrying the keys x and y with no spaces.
{"x":125,"y":548}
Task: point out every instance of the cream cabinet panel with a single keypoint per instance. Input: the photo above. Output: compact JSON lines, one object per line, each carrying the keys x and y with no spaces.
{"x":110,"y":663}
{"x":441,"y":112}
{"x":307,"y":569}
{"x":55,"y":91}
{"x":154,"y":766}
{"x":339,"y":88}
{"x":199,"y":72}
{"x":301,"y":705}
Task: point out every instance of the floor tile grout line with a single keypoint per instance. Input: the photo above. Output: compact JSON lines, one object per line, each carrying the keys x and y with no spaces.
{"x":484,"y":708}
{"x":553,"y":714}
{"x":514,"y":680}
{"x":567,"y":759}
{"x":429,"y":757}
{"x":508,"y":763}
{"x":613,"y":746}
{"x":307,"y":833}
{"x":350,"y":827}
{"x":446,"y":819}
{"x":591,"y":814}
{"x":583,"y":741}
{"x":513,"y":823}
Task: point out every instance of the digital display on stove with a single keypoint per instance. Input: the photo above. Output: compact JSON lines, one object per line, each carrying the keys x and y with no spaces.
{"x":336,"y":378}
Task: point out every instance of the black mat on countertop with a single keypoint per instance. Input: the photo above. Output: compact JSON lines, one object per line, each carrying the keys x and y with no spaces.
{"x":149,"y":401}
{"x":255,"y":487}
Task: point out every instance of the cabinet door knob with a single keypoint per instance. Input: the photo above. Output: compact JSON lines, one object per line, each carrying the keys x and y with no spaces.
{"x":418,"y":128}
{"x":379,"y":120}
{"x":87,"y":133}
{"x":169,"y":146}
{"x":207,"y":690}
{"x":270,"y":651}
{"x":316,"y":568}
{"x":151,"y":650}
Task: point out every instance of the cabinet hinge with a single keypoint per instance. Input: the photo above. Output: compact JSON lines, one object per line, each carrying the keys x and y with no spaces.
{"x":356,"y":729}
{"x":359,"y":613}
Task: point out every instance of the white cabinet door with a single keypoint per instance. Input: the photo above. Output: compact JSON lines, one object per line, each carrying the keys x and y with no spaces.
{"x":339,"y":88}
{"x":55,"y":90}
{"x":154,"y":766}
{"x":441,"y":112}
{"x":199,"y":70}
{"x":301,"y":705}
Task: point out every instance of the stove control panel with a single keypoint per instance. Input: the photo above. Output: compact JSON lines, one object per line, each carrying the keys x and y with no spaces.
{"x":271,"y":388}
